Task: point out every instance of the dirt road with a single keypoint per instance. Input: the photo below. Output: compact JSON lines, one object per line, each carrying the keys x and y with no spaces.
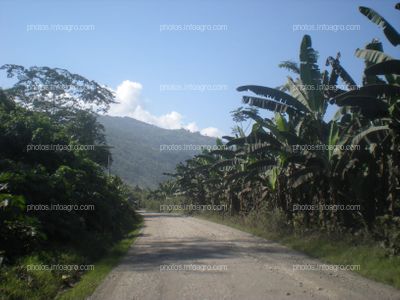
{"x":186,"y":258}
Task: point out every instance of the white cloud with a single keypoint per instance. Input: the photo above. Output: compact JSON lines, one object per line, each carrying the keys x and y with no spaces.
{"x":129,"y":96}
{"x":192,"y":127}
{"x":211,"y":131}
{"x":172,"y":120}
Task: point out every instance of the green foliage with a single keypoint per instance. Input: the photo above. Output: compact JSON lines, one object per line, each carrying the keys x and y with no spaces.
{"x":96,"y":210}
{"x":392,"y":35}
{"x":352,"y":160}
{"x":55,"y":90}
{"x":387,"y":230}
{"x":22,"y":281}
{"x":90,"y":280}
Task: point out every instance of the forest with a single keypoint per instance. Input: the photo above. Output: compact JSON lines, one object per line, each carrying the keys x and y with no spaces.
{"x":56,"y":207}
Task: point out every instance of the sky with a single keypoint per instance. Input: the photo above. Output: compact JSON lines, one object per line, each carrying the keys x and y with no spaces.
{"x":177,"y":64}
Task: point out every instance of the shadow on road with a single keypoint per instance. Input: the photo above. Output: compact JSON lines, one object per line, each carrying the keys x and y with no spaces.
{"x":149,"y":253}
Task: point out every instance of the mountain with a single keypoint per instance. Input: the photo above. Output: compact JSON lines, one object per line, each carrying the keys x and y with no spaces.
{"x":136,"y":149}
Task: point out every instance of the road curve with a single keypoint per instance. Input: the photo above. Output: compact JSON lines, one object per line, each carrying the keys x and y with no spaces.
{"x":179,"y":257}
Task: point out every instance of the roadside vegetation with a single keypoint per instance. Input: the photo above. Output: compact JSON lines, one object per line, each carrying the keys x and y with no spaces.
{"x":90,"y":280}
{"x":327,"y":187}
{"x":60,"y":212}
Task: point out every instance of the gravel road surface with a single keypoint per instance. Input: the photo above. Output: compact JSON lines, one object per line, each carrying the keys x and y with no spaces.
{"x":179,"y":257}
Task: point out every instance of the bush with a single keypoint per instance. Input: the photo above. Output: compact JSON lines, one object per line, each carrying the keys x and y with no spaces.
{"x":387,"y":230}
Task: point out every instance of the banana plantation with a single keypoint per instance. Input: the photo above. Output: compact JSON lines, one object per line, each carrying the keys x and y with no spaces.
{"x":296,"y":157}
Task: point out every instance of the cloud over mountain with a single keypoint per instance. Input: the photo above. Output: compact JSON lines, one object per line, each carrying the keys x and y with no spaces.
{"x":130,"y":104}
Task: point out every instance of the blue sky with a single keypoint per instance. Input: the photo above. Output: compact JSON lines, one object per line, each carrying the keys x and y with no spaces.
{"x":128,"y":52}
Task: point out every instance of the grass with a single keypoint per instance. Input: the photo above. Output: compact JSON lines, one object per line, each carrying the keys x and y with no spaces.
{"x":373,"y":260}
{"x":18,"y":282}
{"x":92,"y":279}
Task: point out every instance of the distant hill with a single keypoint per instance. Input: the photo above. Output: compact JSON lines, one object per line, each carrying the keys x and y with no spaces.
{"x":136,"y":154}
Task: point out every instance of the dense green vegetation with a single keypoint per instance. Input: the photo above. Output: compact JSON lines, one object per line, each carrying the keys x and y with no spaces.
{"x":297,"y":159}
{"x":56,"y":207}
{"x":90,"y":280}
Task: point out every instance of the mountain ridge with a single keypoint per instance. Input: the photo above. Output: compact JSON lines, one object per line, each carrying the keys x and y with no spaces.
{"x":139,"y":156}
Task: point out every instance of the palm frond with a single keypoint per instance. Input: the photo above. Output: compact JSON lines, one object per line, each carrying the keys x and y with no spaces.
{"x":269,"y":105}
{"x":290,"y":65}
{"x":275,"y":95}
{"x":385,"y":67}
{"x":392,"y":35}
